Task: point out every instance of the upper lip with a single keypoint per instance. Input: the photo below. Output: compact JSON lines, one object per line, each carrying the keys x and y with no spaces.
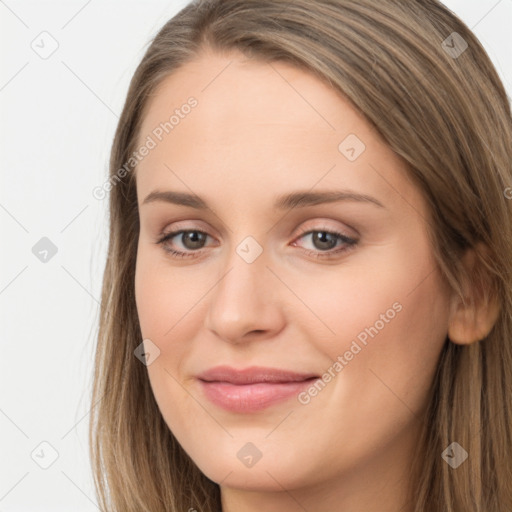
{"x":252,"y":375}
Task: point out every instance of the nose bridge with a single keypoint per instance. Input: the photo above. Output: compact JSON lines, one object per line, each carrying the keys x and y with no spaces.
{"x":240,"y":302}
{"x":245,"y":279}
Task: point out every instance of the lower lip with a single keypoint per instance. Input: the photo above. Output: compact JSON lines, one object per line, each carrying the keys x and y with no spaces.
{"x":251,"y":397}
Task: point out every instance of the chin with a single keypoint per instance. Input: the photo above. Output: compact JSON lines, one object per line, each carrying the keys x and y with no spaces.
{"x":268,"y":475}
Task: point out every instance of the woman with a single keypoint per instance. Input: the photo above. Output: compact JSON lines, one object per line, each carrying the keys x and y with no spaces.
{"x":307,"y":303}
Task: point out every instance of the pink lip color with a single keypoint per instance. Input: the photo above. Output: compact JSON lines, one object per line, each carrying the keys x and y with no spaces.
{"x":251,"y":389}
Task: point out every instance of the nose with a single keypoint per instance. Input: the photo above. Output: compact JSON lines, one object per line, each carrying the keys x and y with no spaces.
{"x":245,"y":302}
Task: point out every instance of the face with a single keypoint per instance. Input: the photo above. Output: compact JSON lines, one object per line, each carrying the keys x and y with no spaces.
{"x":267,"y":274}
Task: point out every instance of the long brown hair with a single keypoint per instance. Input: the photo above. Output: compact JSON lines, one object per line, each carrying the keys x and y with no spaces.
{"x":447,"y":114}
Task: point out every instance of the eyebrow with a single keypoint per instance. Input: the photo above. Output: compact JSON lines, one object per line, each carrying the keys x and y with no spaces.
{"x":299,"y":199}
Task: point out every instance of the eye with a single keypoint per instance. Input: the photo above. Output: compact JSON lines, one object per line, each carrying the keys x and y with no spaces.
{"x":324,"y":240}
{"x":191,"y":239}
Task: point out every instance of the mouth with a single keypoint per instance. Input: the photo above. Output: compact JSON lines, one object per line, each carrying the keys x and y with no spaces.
{"x":252,"y":389}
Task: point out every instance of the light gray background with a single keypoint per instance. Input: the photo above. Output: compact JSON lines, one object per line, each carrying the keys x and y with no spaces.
{"x":58,"y":117}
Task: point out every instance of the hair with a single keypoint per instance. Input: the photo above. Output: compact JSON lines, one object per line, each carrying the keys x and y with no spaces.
{"x":448,"y":117}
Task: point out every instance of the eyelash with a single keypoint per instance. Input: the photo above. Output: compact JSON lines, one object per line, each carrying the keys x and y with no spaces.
{"x":350,"y":243}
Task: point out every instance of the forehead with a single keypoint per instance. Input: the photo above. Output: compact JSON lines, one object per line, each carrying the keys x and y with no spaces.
{"x":238,"y":94}
{"x":258,"y":126}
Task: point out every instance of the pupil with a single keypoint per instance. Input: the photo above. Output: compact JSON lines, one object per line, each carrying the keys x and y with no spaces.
{"x":195,"y":238}
{"x":322,"y":237}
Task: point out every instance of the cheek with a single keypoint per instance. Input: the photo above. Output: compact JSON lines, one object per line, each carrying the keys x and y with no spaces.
{"x":389,"y":299}
{"x":170,"y":306}
{"x":165,"y":298}
{"x":390,"y":319}
{"x":390,"y":322}
{"x":165,"y":307}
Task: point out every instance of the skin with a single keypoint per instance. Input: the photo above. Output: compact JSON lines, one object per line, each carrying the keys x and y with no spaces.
{"x":259,"y":131}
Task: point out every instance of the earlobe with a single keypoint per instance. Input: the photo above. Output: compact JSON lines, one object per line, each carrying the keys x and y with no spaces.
{"x":472,"y":323}
{"x":472,"y":320}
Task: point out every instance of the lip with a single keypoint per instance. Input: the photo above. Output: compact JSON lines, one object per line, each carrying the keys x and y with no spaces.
{"x":251,"y":389}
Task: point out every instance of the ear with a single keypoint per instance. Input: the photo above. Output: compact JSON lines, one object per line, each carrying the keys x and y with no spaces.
{"x":471,"y":320}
